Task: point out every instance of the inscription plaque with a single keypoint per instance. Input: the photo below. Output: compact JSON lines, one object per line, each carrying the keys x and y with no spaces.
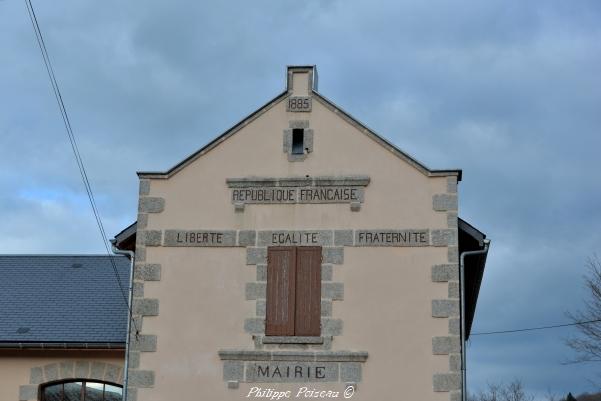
{"x":291,"y":190}
{"x":392,"y":238}
{"x":292,"y":372}
{"x":287,"y":238}
{"x":199,"y":238}
{"x":262,"y":238}
{"x":299,"y":103}
{"x":344,"y":194}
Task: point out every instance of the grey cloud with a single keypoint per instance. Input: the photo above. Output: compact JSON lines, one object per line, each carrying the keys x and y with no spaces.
{"x":506,"y":90}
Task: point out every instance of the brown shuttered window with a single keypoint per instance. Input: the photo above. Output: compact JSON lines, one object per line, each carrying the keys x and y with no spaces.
{"x":293,"y":291}
{"x":308,"y":291}
{"x":281,"y":286}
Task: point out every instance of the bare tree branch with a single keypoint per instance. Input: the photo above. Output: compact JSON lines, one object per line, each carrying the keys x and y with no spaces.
{"x":587,"y":345}
{"x":513,"y":391}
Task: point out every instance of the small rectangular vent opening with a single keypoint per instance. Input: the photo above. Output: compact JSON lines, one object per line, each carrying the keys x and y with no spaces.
{"x":298,"y":141}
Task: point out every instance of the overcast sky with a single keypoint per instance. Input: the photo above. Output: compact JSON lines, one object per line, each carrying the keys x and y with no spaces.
{"x":509,"y":91}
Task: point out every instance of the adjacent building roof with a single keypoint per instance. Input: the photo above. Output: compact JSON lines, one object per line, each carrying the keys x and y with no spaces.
{"x":62,"y":299}
{"x":471,"y":239}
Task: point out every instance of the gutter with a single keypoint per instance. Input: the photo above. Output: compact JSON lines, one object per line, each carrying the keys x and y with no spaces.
{"x":131,"y":256}
{"x":63,"y":346}
{"x":483,"y":251}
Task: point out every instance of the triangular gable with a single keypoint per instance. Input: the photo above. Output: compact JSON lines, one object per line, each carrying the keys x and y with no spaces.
{"x":322,"y":100}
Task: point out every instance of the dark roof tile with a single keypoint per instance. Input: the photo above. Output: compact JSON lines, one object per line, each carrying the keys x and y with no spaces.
{"x":63,"y":298}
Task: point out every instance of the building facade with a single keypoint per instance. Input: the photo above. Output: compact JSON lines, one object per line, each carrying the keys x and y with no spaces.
{"x":299,"y":252}
{"x":297,"y":255}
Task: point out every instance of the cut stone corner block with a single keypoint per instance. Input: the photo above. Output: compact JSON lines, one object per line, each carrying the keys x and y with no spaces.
{"x":445,"y":382}
{"x":28,"y":392}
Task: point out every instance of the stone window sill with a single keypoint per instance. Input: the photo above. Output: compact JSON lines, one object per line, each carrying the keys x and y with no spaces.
{"x":309,"y":356}
{"x":291,"y":340}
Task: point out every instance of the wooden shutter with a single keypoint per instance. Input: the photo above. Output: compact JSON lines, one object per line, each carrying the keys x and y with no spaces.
{"x":308,"y":291}
{"x":281,"y":285}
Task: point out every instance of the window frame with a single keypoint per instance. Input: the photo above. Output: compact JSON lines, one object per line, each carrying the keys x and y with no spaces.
{"x":42,"y":388}
{"x":303,"y":286}
{"x":298,"y":139}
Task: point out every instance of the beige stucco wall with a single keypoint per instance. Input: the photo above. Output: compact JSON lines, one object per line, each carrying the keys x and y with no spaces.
{"x":398,"y":195}
{"x":16,"y":368}
{"x":388,"y":291}
{"x":386,"y":311}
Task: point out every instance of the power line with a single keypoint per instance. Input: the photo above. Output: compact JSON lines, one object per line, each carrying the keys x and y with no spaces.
{"x":535,"y":328}
{"x":88,"y":188}
{"x":74,"y":147}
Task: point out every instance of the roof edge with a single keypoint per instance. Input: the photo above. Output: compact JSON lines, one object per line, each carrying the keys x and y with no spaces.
{"x":66,"y":255}
{"x":63,"y":345}
{"x":327,"y":103}
{"x":244,"y":122}
{"x":125,"y":233}
{"x":471,"y":230}
{"x":385,"y":143}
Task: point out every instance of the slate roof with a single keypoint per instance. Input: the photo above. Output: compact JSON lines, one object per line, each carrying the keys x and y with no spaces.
{"x":62,"y":298}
